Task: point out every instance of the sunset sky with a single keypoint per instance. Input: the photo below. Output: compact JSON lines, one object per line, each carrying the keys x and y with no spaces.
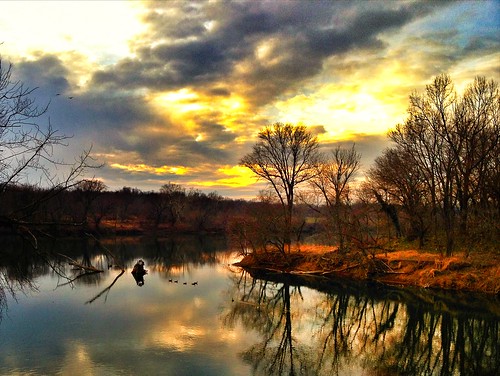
{"x":176,"y":91}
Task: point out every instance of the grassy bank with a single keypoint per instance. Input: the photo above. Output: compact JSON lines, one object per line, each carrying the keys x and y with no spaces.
{"x":476,"y":273}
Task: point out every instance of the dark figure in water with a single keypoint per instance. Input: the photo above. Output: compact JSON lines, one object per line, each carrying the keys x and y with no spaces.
{"x":138,"y":272}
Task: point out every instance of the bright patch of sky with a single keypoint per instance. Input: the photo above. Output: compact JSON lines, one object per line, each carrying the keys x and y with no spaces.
{"x":99,"y":30}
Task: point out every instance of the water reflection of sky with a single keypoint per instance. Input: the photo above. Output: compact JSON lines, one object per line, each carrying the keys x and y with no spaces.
{"x":160,"y":328}
{"x":230,"y":323}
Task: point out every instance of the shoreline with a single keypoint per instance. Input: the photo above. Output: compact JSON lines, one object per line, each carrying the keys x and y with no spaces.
{"x":400,"y":268}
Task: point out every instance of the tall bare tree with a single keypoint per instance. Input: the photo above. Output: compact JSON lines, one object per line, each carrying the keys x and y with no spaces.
{"x":174,"y":197}
{"x":332,"y":180}
{"x":285,"y":156}
{"x":88,"y":191}
{"x":474,"y":140}
{"x":453,"y":143}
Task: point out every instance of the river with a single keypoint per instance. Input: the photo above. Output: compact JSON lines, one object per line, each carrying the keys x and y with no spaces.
{"x":197,"y":314}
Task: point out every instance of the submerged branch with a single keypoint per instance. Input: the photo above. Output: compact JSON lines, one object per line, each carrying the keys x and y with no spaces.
{"x":71,"y":280}
{"x":106,"y":290}
{"x":78,"y":265}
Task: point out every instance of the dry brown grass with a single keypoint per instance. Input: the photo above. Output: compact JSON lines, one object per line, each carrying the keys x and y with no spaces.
{"x":480,"y":273}
{"x":315,"y":249}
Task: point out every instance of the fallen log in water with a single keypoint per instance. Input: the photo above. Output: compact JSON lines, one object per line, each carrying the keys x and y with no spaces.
{"x":78,"y":265}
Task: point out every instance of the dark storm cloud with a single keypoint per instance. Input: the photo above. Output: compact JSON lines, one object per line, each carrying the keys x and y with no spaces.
{"x":216,"y":132}
{"x":362,"y":32}
{"x":193,"y":43}
{"x":117,"y":122}
{"x":219,"y":92}
{"x":47,"y":74}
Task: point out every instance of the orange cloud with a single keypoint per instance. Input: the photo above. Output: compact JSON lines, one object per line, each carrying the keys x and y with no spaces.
{"x":176,"y":170}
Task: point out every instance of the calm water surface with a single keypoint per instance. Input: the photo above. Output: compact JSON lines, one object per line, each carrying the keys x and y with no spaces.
{"x":198,"y":315}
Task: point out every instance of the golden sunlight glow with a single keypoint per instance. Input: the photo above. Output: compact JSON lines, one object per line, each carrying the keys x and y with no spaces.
{"x":177,"y":96}
{"x":181,"y":107}
{"x":345,"y":110}
{"x":232,"y":103}
{"x":234,"y":176}
{"x":162,"y":170}
{"x":76,"y":358}
{"x":180,"y":101}
{"x":186,"y":107}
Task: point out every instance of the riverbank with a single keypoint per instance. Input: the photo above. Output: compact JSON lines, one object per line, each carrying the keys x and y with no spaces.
{"x":475,"y":273}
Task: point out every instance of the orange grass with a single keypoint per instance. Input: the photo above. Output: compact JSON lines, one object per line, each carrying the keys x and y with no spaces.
{"x":477,"y":272}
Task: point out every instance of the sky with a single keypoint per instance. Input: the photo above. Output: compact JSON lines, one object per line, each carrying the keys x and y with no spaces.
{"x":177,"y":91}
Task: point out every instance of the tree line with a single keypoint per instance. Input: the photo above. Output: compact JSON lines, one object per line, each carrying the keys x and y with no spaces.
{"x":443,"y":170}
{"x":437,"y":184}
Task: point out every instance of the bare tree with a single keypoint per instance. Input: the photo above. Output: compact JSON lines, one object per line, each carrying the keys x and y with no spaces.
{"x":27,"y":152}
{"x":453,"y":142}
{"x":332,"y":180}
{"x":396,"y":182}
{"x":474,"y":140}
{"x":285,"y":156}
{"x":88,"y":191}
{"x":174,"y":197}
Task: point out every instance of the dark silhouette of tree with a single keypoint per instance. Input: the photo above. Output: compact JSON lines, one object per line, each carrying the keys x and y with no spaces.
{"x":334,"y":175}
{"x":451,"y":143}
{"x":174,"y":197}
{"x":88,"y":192}
{"x":474,"y":142}
{"x":396,"y":182}
{"x":285,"y":156}
{"x":27,"y":154}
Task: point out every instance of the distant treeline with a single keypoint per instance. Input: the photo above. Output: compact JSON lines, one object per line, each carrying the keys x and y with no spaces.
{"x":89,"y":206}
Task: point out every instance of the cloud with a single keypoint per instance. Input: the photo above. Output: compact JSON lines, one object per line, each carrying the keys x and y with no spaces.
{"x":369,"y":146}
{"x":273,"y":47}
{"x":202,"y":78}
{"x":47,"y":73}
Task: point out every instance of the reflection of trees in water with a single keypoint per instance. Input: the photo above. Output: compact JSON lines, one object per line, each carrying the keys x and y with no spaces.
{"x":438,"y":342}
{"x":175,"y":254}
{"x":351,"y":325}
{"x":266,"y":307}
{"x":348,"y":329}
{"x":20,"y":263}
{"x":165,"y":254}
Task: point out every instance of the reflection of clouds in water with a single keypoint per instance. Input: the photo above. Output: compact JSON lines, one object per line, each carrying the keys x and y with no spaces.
{"x":78,"y":361}
{"x":184,"y":270}
{"x":184,"y":326}
{"x":175,"y":335}
{"x":178,"y":317}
